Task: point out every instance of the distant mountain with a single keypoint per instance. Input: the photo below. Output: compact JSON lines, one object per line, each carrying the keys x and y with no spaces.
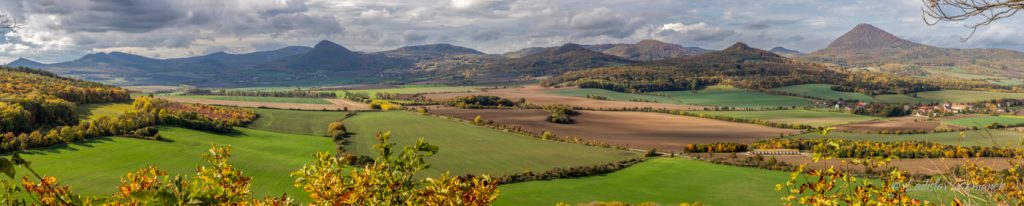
{"x":329,"y":56}
{"x":645,"y":50}
{"x":524,"y":52}
{"x":789,"y":53}
{"x":23,"y":62}
{"x":430,"y":51}
{"x":554,"y":60}
{"x":738,"y":53}
{"x":867,"y":45}
{"x":650,"y":50}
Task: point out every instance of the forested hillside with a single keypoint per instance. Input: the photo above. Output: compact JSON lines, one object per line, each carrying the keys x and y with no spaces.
{"x":745,"y":67}
{"x":31,"y":99}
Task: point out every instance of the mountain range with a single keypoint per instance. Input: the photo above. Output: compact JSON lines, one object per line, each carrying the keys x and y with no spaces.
{"x":330,"y":63}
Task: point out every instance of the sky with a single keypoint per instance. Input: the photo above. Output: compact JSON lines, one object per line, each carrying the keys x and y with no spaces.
{"x":63,"y":30}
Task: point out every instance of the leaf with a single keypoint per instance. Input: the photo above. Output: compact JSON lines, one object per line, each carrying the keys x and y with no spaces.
{"x":7,"y":167}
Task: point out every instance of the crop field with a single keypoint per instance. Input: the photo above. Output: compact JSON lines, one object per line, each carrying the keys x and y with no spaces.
{"x":536,"y":94}
{"x":295,"y":122}
{"x":415,"y":89}
{"x":986,"y":120}
{"x":824,"y":91}
{"x":636,"y":129}
{"x":912,"y":123}
{"x":471,"y":149}
{"x":98,"y":164}
{"x":721,"y":96}
{"x":95,"y":111}
{"x":335,"y":104}
{"x":996,"y":137}
{"x":661,"y":180}
{"x":960,"y":96}
{"x":795,"y":116}
{"x":262,"y":99}
{"x":726,"y":96}
{"x":613,"y":95}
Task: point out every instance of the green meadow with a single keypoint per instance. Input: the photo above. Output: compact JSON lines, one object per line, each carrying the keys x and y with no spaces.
{"x":298,"y":100}
{"x":795,"y":116}
{"x":823,"y":91}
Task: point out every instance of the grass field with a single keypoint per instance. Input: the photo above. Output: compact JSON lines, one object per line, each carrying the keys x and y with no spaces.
{"x":1000,"y":137}
{"x":662,"y":180}
{"x":295,"y":122}
{"x":726,"y":96}
{"x":795,"y":116}
{"x":722,"y":96}
{"x":824,"y":91}
{"x":948,"y":96}
{"x":986,"y":120}
{"x":470,"y":149}
{"x":415,"y":89}
{"x":95,"y":111}
{"x":613,"y":95}
{"x":262,"y":99}
{"x":94,"y":167}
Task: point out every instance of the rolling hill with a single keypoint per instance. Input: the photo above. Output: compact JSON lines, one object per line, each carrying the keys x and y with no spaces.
{"x":550,"y":61}
{"x":867,"y":45}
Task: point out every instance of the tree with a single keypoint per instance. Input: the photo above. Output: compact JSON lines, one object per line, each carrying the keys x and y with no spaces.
{"x":988,"y":11}
{"x":337,"y":129}
{"x":8,"y":22}
{"x":477,"y":120}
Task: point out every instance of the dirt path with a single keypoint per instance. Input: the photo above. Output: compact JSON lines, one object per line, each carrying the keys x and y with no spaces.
{"x":337,"y":104}
{"x":642,"y":130}
{"x":536,"y":94}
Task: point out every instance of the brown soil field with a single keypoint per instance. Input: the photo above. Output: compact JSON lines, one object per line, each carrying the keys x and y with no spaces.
{"x":896,"y":123}
{"x":338,"y":104}
{"x":927,"y":166}
{"x":536,"y":94}
{"x":642,"y":130}
{"x":357,"y":87}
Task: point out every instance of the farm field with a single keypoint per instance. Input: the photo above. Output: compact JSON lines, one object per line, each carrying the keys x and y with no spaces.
{"x":336,"y":104}
{"x":535,"y":94}
{"x":613,"y":95}
{"x":98,"y":164}
{"x":727,"y":96}
{"x":415,"y":89}
{"x":295,"y":122}
{"x":824,"y":91}
{"x":912,"y":123}
{"x":95,"y":111}
{"x":795,"y":116}
{"x":636,"y":129}
{"x":471,"y":149}
{"x":261,"y":99}
{"x":661,"y":180}
{"x":959,"y":96}
{"x":721,"y":96}
{"x":986,"y":120}
{"x":1000,"y":137}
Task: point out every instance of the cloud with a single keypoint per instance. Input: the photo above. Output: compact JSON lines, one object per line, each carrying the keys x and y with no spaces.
{"x":701,"y":32}
{"x":60,"y":30}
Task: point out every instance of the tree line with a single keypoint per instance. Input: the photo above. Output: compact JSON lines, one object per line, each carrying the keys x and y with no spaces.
{"x":842,"y":148}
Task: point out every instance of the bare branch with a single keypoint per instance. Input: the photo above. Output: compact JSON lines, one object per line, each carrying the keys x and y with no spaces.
{"x":975,"y":13}
{"x":9,"y":23}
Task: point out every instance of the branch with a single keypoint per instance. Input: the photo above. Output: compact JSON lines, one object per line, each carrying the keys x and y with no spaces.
{"x":937,"y":11}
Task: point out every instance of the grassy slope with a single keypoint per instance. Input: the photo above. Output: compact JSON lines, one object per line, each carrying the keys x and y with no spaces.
{"x":1001,"y":137}
{"x":949,"y":96}
{"x":94,"y":167}
{"x":823,"y":91}
{"x":466,"y":148}
{"x":95,"y":111}
{"x":797,"y":116}
{"x":662,"y":180}
{"x":295,"y":122}
{"x":733,"y":97}
{"x":263,"y":99}
{"x":982,"y":121}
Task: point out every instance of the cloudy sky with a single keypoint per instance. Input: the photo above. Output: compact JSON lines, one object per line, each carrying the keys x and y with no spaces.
{"x":61,"y":30}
